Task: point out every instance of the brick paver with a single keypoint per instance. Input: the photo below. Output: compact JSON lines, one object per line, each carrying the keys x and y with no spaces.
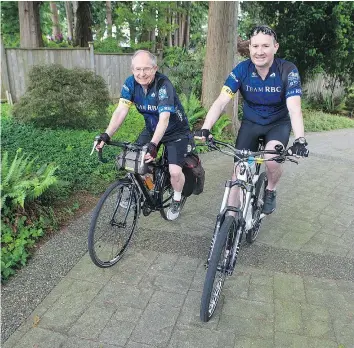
{"x":292,"y":288}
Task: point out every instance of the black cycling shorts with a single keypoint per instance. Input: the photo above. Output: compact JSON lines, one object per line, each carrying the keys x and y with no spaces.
{"x":177,"y":149}
{"x":249,"y":133}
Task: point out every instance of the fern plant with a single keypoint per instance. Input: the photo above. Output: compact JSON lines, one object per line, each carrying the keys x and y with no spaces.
{"x":220,"y":125}
{"x":20,"y":181}
{"x":192,"y":108}
{"x":21,"y":224}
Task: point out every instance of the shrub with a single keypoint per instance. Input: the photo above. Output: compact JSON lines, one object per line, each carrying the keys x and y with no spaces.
{"x":57,"y":97}
{"x":184,"y":69}
{"x":23,"y":219}
{"x":324,"y":102}
{"x":108,"y":45}
{"x":349,"y":101}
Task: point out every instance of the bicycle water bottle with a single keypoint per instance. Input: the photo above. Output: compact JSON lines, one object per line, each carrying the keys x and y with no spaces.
{"x":148,"y":182}
{"x":252,"y":164}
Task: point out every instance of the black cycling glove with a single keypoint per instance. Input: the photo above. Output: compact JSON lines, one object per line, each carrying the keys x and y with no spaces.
{"x":299,"y":148}
{"x":152,"y":149}
{"x":103,"y":137}
{"x":202,"y":133}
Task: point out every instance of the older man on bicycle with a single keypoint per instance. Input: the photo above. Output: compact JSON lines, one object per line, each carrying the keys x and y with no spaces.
{"x":271,"y":90}
{"x":165,"y":120}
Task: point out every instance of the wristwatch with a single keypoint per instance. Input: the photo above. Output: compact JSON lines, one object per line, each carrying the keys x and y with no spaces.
{"x":301,"y":141}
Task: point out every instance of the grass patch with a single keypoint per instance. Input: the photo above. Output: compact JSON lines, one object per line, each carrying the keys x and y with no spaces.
{"x":319,"y":121}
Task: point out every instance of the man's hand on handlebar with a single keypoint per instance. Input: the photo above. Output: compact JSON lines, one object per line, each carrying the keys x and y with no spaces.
{"x":202,"y":134}
{"x":151,"y":152}
{"x":101,"y":140}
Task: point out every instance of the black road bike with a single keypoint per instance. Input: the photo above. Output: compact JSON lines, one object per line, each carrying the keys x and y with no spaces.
{"x":234,"y":222}
{"x":115,"y":216}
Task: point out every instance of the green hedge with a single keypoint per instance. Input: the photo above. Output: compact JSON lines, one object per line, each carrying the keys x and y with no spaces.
{"x":69,"y":149}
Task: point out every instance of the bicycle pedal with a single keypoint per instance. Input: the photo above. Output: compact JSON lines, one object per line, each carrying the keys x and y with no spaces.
{"x":229,"y":272}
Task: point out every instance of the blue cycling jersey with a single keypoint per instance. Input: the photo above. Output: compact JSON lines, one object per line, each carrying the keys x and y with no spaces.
{"x":264,"y":100}
{"x":160,"y":96}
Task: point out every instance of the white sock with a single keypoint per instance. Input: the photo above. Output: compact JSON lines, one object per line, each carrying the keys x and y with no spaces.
{"x":177,"y":196}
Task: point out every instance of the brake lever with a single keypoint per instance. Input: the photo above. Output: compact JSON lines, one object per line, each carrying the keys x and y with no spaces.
{"x":279,"y":159}
{"x":292,"y":160}
{"x":94,"y":147}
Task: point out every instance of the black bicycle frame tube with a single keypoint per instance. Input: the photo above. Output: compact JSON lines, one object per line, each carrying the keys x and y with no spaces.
{"x":144,"y":190}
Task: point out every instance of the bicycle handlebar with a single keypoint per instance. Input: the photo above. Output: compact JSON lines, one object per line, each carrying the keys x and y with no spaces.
{"x":247,"y":154}
{"x":123,"y":144}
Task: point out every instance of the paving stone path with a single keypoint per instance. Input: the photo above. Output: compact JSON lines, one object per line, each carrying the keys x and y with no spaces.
{"x":294,"y":287}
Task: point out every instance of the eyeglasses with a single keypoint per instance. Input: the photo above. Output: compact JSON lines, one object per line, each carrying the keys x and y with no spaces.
{"x":147,"y":70}
{"x":264,"y":30}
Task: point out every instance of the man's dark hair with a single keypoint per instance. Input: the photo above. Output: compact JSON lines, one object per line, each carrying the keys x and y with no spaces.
{"x":264,"y":29}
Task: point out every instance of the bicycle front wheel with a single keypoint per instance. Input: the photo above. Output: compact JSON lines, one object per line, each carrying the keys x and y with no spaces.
{"x":217,"y":269}
{"x":113,"y":223}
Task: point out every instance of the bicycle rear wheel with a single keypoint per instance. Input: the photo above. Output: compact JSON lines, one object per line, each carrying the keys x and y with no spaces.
{"x":217,"y":269}
{"x":257,"y":207}
{"x":166,"y":194}
{"x":113,"y":223}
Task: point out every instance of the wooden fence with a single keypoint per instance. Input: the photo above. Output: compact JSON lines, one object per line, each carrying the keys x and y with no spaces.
{"x":114,"y":68}
{"x":17,"y":62}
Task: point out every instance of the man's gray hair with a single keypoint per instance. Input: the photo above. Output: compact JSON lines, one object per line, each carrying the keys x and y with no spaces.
{"x":152,"y":57}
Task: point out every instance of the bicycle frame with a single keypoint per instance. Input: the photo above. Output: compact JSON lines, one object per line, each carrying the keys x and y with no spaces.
{"x":137,"y":179}
{"x":246,"y":181}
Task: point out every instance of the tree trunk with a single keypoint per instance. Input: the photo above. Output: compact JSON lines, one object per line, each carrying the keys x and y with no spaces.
{"x":69,"y":20}
{"x":30,"y":26}
{"x":56,"y":32}
{"x":153,"y":40}
{"x":234,"y":111}
{"x":83,"y":33}
{"x":187,"y":30}
{"x":75,"y":6}
{"x":181,"y":29}
{"x":109,"y":18}
{"x":169,"y":21}
{"x":175,"y":39}
{"x":132,"y":29}
{"x":221,"y":48}
{"x":153,"y":30}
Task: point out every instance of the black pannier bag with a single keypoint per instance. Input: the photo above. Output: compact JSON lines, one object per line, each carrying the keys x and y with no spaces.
{"x":194,"y":175}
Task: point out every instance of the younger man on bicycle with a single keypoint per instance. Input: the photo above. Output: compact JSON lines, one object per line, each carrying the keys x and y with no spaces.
{"x":165,"y":120}
{"x":271,"y":90}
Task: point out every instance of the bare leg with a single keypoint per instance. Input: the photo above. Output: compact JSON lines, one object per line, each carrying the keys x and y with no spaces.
{"x":274,"y":169}
{"x":177,"y":177}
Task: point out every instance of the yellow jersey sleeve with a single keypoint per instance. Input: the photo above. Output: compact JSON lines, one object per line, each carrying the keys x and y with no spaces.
{"x":125,"y":102}
{"x":227,"y":90}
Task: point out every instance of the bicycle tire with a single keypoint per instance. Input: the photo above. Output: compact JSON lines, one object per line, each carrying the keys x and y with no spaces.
{"x":261,"y":185}
{"x":207,"y":308}
{"x":101,"y":252}
{"x":166,"y":194}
